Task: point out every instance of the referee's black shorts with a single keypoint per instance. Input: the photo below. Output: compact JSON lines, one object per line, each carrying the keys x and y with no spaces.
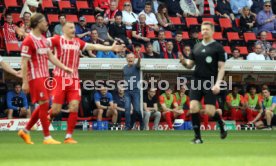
{"x":197,"y":91}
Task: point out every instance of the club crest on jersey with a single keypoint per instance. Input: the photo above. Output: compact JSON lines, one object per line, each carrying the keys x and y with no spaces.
{"x":209,"y":59}
{"x":203,"y":50}
{"x":41,"y":94}
{"x":25,"y":49}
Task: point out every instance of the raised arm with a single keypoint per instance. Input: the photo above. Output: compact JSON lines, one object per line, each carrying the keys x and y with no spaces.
{"x":99,"y":47}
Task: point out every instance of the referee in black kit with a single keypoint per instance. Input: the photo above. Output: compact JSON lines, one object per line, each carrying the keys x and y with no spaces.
{"x":208,"y":57}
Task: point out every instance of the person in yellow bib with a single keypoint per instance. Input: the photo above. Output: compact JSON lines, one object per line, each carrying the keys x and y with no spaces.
{"x":235,"y":104}
{"x":183,"y":102}
{"x":253,"y":103}
{"x":169,"y":107}
{"x":268,"y":111}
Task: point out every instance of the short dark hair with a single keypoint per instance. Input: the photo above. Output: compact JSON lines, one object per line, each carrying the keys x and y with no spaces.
{"x":27,"y":13}
{"x":148,"y":4}
{"x":236,"y":49}
{"x":61,"y":15}
{"x":35,"y":19}
{"x":8,"y":14}
{"x":178,"y":33}
{"x":272,"y":49}
{"x":209,"y":23}
{"x":148,"y":44}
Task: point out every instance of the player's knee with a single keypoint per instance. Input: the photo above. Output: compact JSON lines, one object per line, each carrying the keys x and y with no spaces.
{"x":146,"y":114}
{"x":100,"y":111}
{"x":73,"y":107}
{"x":268,"y":113}
{"x":194,"y":108}
{"x":115,"y":112}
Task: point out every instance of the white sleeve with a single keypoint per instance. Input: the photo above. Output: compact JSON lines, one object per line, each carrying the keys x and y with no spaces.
{"x":1,"y":58}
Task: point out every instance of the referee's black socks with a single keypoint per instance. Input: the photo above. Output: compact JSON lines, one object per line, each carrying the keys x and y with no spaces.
{"x":196,"y":125}
{"x":217,"y":118}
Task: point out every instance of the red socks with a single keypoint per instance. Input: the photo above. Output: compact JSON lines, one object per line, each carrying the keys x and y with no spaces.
{"x":34,"y":118}
{"x":169,"y":117}
{"x":71,"y":122}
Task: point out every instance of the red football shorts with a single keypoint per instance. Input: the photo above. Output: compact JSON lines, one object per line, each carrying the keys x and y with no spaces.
{"x":38,"y":89}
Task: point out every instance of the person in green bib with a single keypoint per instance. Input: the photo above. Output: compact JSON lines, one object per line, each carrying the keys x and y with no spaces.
{"x":235,"y":104}
{"x":169,"y":107}
{"x":183,"y":102}
{"x":253,"y":103}
{"x":268,"y":111}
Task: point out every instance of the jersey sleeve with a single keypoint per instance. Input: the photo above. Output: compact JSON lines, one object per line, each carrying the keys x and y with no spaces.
{"x":97,"y":97}
{"x":246,"y":98}
{"x":1,"y":58}
{"x":242,"y":99}
{"x":27,"y":48}
{"x":188,"y":101}
{"x":53,"y":41}
{"x":228,"y":99}
{"x":174,"y":100}
{"x":221,"y":53}
{"x":83,"y":44}
{"x":274,"y":100}
{"x":192,"y":55}
{"x":161,"y":99}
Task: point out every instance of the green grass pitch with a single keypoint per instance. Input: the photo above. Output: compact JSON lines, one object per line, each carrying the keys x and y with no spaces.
{"x":146,"y":148}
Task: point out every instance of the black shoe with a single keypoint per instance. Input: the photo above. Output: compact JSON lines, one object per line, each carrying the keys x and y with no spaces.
{"x":223,"y":134}
{"x":197,"y":141}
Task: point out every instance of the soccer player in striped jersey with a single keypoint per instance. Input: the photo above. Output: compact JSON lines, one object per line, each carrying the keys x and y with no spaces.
{"x":67,"y":48}
{"x":35,"y":53}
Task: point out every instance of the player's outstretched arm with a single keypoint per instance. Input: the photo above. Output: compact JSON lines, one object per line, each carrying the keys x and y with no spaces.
{"x":57,"y":63}
{"x":9,"y":69}
{"x":99,"y":47}
{"x":24,"y":69}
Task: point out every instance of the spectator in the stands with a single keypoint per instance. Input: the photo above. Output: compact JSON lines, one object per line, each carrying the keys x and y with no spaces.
{"x":101,"y":28}
{"x":17,"y":103}
{"x":138,"y":5}
{"x":58,"y":27}
{"x":247,"y":21}
{"x":159,"y":46}
{"x":164,"y":19}
{"x":174,"y":8}
{"x":82,"y":31}
{"x":101,"y":5}
{"x":178,"y":44}
{"x":137,"y":51}
{"x":129,"y":17}
{"x":118,"y":30}
{"x":123,"y":53}
{"x":150,"y":105}
{"x":257,"y":55}
{"x":211,"y":4}
{"x":149,"y":51}
{"x":30,"y":6}
{"x":189,"y":8}
{"x":272,"y":54}
{"x":257,"y":6}
{"x":223,"y":9}
{"x":170,"y":54}
{"x":266,"y":19}
{"x":266,"y":45}
{"x":238,"y":5}
{"x":106,"y":54}
{"x":25,"y":24}
{"x":104,"y":105}
{"x":236,"y":54}
{"x":10,"y":30}
{"x":94,"y":40}
{"x":187,"y":51}
{"x":140,"y":30}
{"x":193,"y":38}
{"x":151,"y":20}
{"x":109,"y":15}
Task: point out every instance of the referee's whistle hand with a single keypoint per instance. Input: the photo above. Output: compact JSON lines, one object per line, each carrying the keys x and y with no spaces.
{"x":216,"y":89}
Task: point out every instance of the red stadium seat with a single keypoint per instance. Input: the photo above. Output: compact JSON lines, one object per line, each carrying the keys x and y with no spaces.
{"x":237,"y":22}
{"x":227,"y":49}
{"x":185,"y":35}
{"x":218,"y":36}
{"x":176,"y":20}
{"x":234,"y":39}
{"x":129,"y":33}
{"x":191,"y":21}
{"x":52,"y":18}
{"x":90,"y":19}
{"x":269,"y":36}
{"x":11,"y":3}
{"x":151,"y":34}
{"x":65,"y":6}
{"x":83,"y":8}
{"x":210,"y":20}
{"x":48,"y":7}
{"x":243,"y":50}
{"x":249,"y":37}
{"x":168,"y":34}
{"x":225,"y":23}
{"x":72,"y":18}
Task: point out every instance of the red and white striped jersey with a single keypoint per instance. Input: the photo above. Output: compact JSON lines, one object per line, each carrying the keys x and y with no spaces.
{"x":68,"y":52}
{"x":37,"y":50}
{"x":9,"y":33}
